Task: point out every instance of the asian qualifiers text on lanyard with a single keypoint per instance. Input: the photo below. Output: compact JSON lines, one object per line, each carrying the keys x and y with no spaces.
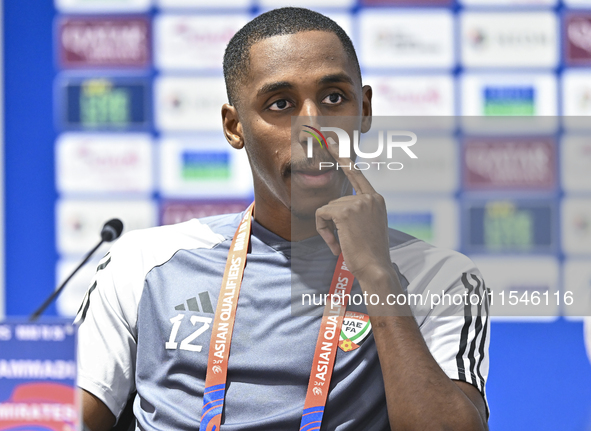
{"x":219,"y":349}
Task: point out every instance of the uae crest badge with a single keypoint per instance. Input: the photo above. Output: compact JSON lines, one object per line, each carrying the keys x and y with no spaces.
{"x":356,"y":327}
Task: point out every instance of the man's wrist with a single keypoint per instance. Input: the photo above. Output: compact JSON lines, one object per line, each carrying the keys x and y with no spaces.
{"x":387,"y":297}
{"x":379,"y":279}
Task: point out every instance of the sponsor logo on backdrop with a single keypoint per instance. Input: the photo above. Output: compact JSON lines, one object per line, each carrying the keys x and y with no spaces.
{"x":400,"y":40}
{"x":578,"y":38}
{"x":578,"y":3}
{"x":104,"y":163}
{"x":307,"y":3}
{"x":104,"y":103}
{"x":516,"y":39}
{"x":582,"y":100}
{"x":203,"y":166}
{"x":509,"y":100}
{"x":193,"y":42}
{"x":418,"y":224}
{"x":576,"y":225}
{"x":103,"y":6}
{"x":404,"y":95}
{"x":477,"y":38}
{"x":480,"y":39}
{"x":407,"y":2}
{"x":79,"y":222}
{"x":576,"y":94}
{"x":188,"y":103}
{"x":517,"y":163}
{"x":576,"y":163}
{"x":509,"y":2}
{"x":179,"y":211}
{"x":510,"y":95}
{"x":500,"y":226}
{"x":104,"y":42}
{"x":201,"y":4}
{"x":432,"y":220}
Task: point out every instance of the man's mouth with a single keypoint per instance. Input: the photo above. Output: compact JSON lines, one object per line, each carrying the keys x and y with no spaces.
{"x":313,"y":177}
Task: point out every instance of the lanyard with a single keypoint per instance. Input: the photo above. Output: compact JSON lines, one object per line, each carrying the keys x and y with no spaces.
{"x":223,"y":326}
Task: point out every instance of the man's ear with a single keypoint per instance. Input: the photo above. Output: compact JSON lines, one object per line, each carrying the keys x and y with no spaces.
{"x":232,"y":126}
{"x":366,"y":108}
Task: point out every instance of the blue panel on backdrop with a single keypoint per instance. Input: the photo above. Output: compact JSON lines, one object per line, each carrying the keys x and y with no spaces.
{"x":540,"y":377}
{"x":29,"y":150}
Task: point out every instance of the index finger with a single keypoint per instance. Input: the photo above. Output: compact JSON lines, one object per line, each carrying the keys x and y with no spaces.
{"x":355,"y":176}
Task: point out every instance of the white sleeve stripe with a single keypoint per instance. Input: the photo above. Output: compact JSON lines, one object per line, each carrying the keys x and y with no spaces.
{"x":81,"y":313}
{"x":465,"y":353}
{"x":481,"y":353}
{"x":484,"y":335}
{"x":463,"y":337}
{"x":477,"y":332}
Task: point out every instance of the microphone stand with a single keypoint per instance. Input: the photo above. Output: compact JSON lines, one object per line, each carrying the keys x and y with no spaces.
{"x":56,"y":292}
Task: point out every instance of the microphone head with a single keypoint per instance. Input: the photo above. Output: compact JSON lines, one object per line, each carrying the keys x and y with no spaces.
{"x":111,"y":230}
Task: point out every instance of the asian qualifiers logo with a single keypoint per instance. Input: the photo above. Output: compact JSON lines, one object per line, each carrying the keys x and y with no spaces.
{"x":345,"y":147}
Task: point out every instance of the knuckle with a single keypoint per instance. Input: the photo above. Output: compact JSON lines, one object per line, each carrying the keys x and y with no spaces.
{"x":320,"y":211}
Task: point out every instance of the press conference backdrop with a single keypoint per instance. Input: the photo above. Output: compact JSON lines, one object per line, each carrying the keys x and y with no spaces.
{"x":112,"y":109}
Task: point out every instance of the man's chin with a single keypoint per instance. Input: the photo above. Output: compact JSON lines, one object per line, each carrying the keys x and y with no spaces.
{"x":304,"y":203}
{"x":308,"y":194}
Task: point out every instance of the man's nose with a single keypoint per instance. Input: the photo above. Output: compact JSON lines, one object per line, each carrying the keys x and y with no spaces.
{"x":310,"y":109}
{"x":308,"y":115}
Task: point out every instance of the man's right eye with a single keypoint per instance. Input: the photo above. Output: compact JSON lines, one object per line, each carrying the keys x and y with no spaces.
{"x":280,"y":105}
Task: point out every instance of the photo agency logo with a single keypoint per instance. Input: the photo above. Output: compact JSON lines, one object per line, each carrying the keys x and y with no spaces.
{"x":388,"y":140}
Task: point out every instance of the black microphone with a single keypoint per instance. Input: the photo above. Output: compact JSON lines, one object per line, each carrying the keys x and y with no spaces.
{"x":110,"y":232}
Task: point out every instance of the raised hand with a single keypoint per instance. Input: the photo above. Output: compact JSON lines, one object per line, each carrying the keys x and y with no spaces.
{"x":360,"y":221}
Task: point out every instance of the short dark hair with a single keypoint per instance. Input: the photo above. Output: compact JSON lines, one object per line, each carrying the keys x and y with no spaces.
{"x":287,"y":20}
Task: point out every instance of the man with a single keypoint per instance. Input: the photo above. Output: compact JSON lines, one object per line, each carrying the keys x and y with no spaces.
{"x":148,"y":318}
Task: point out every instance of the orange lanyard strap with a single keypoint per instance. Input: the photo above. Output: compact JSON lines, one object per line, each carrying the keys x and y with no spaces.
{"x":223,"y":326}
{"x":326,"y":347}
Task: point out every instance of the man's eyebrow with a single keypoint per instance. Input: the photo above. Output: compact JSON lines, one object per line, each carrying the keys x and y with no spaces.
{"x":274,"y":86}
{"x":283,"y":85}
{"x":335,"y":79}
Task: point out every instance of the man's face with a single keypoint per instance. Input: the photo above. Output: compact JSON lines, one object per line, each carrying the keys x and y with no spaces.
{"x":307,"y":75}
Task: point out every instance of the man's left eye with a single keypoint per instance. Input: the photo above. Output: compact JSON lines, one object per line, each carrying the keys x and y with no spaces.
{"x":333,"y":99}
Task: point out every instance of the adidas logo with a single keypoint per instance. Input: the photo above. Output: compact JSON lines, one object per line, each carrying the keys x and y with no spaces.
{"x":193,"y":304}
